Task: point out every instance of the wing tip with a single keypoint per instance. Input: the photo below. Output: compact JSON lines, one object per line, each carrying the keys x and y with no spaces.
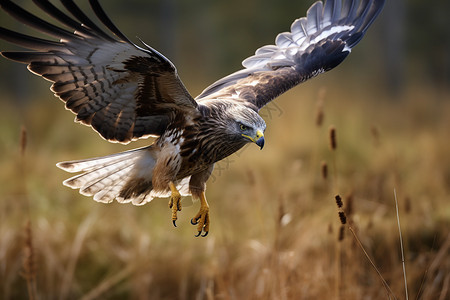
{"x":67,"y":166}
{"x":74,"y":183}
{"x":11,"y":55}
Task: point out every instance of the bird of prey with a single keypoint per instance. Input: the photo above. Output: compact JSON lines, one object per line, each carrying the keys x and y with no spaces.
{"x":126,"y":91}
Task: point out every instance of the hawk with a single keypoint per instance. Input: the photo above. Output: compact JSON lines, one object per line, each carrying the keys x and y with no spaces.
{"x":126,"y":91}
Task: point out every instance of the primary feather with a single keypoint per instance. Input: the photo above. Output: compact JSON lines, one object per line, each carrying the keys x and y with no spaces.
{"x":316,"y":43}
{"x":111,"y":84}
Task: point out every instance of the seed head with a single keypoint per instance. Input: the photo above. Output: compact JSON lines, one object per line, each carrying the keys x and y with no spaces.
{"x":343,"y":218}
{"x":339,"y":201}
{"x":319,"y":115}
{"x":324,"y":169}
{"x":333,"y":143}
{"x":23,"y":140}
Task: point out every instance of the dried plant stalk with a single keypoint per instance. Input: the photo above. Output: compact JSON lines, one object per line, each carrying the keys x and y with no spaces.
{"x":320,"y":115}
{"x":386,"y":286}
{"x":29,"y":263}
{"x":23,"y":140}
{"x":401,"y":245}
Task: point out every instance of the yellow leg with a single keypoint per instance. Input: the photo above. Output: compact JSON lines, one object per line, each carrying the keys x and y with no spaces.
{"x":174,"y":202}
{"x":202,"y":219}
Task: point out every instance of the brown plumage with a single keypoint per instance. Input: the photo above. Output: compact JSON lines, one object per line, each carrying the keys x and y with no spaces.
{"x":126,"y":92}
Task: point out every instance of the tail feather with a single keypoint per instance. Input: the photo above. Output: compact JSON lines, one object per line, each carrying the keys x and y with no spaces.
{"x":96,"y":163}
{"x":111,"y":189}
{"x":104,"y":177}
{"x":106,"y":188}
{"x":93,"y":176}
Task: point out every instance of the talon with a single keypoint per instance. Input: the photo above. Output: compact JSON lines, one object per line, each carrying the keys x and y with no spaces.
{"x":202,"y":219}
{"x":174,"y":202}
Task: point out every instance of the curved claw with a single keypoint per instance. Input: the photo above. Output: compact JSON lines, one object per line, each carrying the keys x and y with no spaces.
{"x":174,"y":223}
{"x":201,"y":219}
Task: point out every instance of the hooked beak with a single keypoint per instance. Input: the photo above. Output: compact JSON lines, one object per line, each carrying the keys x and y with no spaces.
{"x":259,"y":139}
{"x":260,"y":142}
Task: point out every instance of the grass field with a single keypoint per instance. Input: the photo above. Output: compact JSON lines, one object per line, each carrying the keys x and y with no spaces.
{"x":275,"y":226}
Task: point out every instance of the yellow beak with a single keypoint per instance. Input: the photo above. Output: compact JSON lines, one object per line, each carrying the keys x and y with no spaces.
{"x":258,"y":139}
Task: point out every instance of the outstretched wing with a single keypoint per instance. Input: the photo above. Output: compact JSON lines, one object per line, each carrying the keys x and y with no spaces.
{"x":317,"y":43}
{"x":122,"y":90}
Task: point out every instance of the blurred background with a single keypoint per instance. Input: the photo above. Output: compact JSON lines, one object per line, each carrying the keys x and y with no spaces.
{"x":275,"y":229}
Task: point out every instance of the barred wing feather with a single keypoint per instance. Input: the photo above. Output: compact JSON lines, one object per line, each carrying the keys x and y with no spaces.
{"x":122,"y":90}
{"x":316,"y":43}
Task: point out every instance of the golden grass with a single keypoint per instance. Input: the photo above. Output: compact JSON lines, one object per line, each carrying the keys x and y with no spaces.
{"x":274,"y":234}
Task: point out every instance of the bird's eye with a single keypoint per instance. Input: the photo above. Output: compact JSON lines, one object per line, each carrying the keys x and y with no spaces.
{"x":243,"y":127}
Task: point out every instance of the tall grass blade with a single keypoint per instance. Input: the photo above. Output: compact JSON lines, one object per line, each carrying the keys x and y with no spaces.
{"x":401,"y":245}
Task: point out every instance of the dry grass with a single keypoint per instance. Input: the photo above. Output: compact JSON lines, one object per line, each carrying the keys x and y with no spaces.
{"x":275,"y":232}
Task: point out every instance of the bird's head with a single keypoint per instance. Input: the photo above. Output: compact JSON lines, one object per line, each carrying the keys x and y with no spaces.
{"x":247,"y":125}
